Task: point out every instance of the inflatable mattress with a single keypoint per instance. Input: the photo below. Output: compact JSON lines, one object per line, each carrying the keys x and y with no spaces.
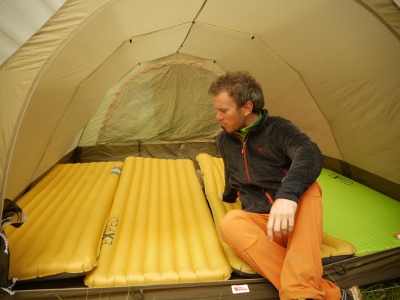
{"x":356,"y":213}
{"x":212,"y":168}
{"x":159,"y":229}
{"x":66,"y":212}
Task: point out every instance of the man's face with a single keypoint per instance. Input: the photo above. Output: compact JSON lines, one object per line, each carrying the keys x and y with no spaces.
{"x":229,"y":115}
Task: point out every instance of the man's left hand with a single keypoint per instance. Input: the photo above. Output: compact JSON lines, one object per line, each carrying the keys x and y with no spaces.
{"x":281,"y":218}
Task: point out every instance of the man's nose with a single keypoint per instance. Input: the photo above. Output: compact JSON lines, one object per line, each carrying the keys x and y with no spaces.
{"x":218,"y":116}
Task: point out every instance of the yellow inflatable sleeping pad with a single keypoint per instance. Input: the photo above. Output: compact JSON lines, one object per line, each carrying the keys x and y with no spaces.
{"x":160,"y":229}
{"x":67,"y":210}
{"x":212,"y":170}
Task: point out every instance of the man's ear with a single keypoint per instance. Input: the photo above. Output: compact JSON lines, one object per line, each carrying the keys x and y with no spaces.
{"x":248,"y":107}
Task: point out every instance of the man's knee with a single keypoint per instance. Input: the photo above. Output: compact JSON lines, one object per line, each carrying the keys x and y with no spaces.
{"x":230,"y":220}
{"x":238,"y":230}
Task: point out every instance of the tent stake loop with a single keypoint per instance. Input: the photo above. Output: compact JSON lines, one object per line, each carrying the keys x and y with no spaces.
{"x":139,"y":144}
{"x":340,"y":269}
{"x":138,"y":297}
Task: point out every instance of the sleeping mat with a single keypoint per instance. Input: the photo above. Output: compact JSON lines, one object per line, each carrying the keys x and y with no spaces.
{"x":159,"y":229}
{"x":359,"y":214}
{"x":66,"y":212}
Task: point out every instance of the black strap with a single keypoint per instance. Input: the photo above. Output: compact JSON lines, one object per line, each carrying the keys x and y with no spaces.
{"x":12,"y":215}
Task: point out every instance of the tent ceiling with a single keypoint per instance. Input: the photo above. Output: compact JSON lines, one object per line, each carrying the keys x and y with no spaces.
{"x":20,"y":21}
{"x":332,"y":67}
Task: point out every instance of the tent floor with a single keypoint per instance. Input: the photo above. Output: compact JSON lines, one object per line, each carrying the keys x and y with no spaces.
{"x":364,"y":270}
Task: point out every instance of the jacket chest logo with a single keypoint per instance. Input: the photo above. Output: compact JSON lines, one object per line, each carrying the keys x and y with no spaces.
{"x":261,"y":149}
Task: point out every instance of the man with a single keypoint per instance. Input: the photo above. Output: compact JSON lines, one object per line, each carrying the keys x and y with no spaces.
{"x":272,"y":167}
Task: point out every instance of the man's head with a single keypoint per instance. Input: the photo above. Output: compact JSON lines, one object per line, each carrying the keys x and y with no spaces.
{"x":237,"y":98}
{"x":241,"y":86}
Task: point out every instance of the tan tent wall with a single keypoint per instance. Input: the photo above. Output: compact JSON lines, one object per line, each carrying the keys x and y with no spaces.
{"x":20,"y":76}
{"x":18,"y":24}
{"x":333,"y":67}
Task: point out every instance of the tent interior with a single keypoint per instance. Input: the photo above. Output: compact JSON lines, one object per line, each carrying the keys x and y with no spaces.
{"x":92,"y":81}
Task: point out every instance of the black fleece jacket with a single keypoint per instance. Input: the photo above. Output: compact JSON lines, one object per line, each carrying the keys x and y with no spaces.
{"x":275,"y":160}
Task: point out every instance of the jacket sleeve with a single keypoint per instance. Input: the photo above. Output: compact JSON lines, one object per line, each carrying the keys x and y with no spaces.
{"x":230,"y":194}
{"x":306,"y":160}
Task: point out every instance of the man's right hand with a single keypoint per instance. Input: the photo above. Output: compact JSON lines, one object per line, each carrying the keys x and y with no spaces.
{"x":281,"y":218}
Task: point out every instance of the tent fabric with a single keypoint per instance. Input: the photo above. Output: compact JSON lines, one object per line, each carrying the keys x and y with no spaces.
{"x":364,"y":270}
{"x":316,"y":63}
{"x":29,"y":21}
{"x":136,"y":108}
{"x":332,"y":67}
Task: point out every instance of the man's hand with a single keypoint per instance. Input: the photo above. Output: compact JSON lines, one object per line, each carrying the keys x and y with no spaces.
{"x":281,"y":218}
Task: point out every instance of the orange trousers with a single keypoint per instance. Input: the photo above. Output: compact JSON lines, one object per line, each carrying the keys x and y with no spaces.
{"x":293,"y":264}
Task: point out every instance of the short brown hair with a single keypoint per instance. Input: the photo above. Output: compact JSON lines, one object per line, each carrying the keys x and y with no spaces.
{"x":241,"y":86}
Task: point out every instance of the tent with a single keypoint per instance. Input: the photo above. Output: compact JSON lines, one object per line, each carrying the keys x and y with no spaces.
{"x":102,"y":79}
